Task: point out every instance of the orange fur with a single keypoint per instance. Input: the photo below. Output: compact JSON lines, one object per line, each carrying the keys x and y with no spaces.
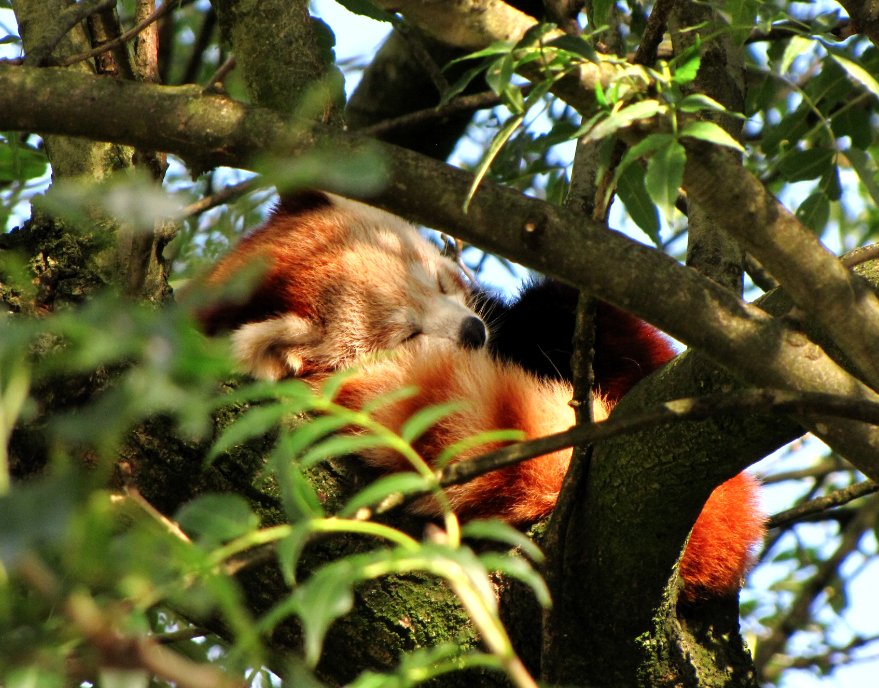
{"x":343,"y":281}
{"x":493,"y":396}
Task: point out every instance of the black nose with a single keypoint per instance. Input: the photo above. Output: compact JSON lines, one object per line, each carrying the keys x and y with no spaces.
{"x":472,"y":334}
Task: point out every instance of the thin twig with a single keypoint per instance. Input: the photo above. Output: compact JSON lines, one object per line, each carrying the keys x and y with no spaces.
{"x":216,"y":79}
{"x":815,"y":506}
{"x":469,"y":103}
{"x":653,"y":32}
{"x":422,"y":56}
{"x":64,"y":22}
{"x":692,"y":409}
{"x":219,"y":198}
{"x":124,"y":38}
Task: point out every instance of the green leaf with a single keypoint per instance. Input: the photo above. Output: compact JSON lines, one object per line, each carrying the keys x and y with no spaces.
{"x":633,"y":193}
{"x":303,"y":436}
{"x":330,"y":387}
{"x":665,"y":174}
{"x":340,"y":445}
{"x":798,"y":45}
{"x":492,"y":50}
{"x":499,"y":531}
{"x":643,"y":109}
{"x":289,"y":550}
{"x":463,"y":81}
{"x":497,"y":143}
{"x":811,"y":163}
{"x":685,"y":71}
{"x":516,"y":567}
{"x":479,"y":440}
{"x":742,"y":13}
{"x":254,"y":422}
{"x":711,"y":132}
{"x":853,"y":122}
{"x":600,"y":12}
{"x":500,"y":74}
{"x":33,"y":677}
{"x":814,"y":212}
{"x":866,"y":170}
{"x":425,"y":418}
{"x":19,"y":161}
{"x":788,"y":131}
{"x":645,"y":147}
{"x":298,"y":495}
{"x":575,"y":45}
{"x":324,"y":597}
{"x":217,"y":518}
{"x":830,"y":183}
{"x":857,"y":73}
{"x":402,"y":483}
{"x":699,"y":102}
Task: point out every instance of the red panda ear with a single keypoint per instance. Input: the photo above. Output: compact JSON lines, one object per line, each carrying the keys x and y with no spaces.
{"x":277,"y":348}
{"x":292,"y":204}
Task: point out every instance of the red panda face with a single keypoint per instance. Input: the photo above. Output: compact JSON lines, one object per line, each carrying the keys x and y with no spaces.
{"x":340,"y":280}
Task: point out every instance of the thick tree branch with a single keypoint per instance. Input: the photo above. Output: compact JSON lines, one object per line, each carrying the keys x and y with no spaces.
{"x":474,"y":24}
{"x":213,"y":130}
{"x":839,"y":301}
{"x":62,"y":24}
{"x":865,"y":15}
{"x":470,"y":24}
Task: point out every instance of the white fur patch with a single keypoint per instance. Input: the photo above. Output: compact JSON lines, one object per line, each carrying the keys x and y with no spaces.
{"x":271,"y":349}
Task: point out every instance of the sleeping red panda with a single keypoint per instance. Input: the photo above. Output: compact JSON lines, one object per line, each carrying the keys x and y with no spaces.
{"x":341,"y":280}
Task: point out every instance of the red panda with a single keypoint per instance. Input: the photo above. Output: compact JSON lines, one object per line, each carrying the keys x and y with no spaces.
{"x":342,"y":280}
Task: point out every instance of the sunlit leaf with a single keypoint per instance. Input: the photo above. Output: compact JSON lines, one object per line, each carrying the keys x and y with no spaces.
{"x":488,"y":437}
{"x":625,"y":117}
{"x":699,"y":102}
{"x":711,"y":132}
{"x":798,"y":45}
{"x":686,"y":69}
{"x":340,"y":445}
{"x":403,"y":483}
{"x":857,"y":73}
{"x":424,"y":419}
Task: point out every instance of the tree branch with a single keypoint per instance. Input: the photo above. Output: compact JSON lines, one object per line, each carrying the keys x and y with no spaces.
{"x":841,"y":303}
{"x":213,"y":130}
{"x":742,"y":402}
{"x":865,"y":16}
{"x":38,"y":55}
{"x":821,"y":504}
{"x":473,"y":24}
